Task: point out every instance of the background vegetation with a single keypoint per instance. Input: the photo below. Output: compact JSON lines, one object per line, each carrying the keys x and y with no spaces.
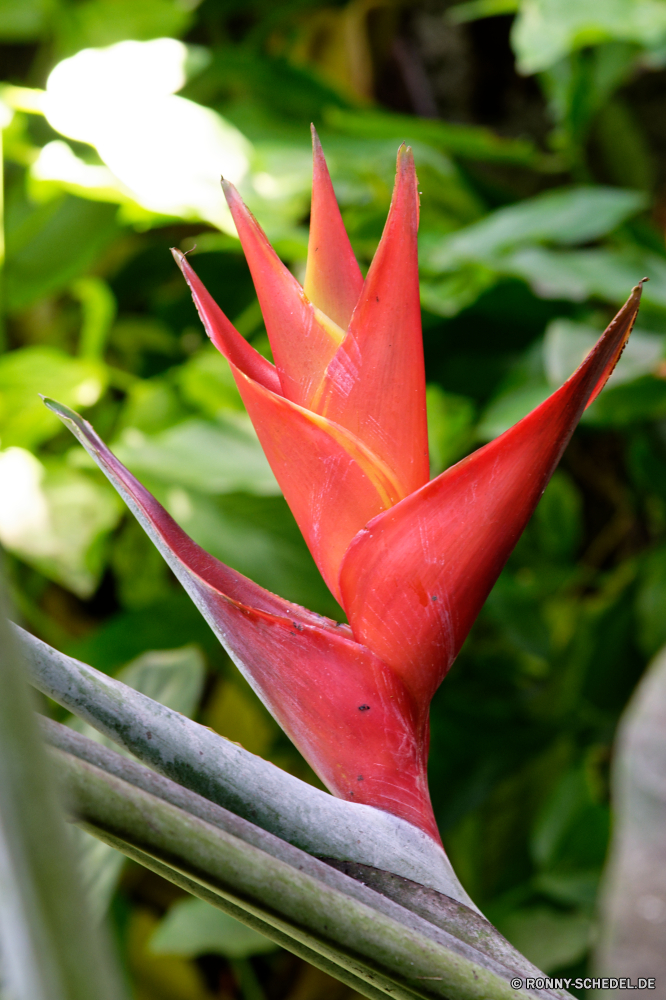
{"x":539,"y":135}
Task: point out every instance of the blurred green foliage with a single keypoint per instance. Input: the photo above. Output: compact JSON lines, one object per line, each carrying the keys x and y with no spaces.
{"x":536,"y":223}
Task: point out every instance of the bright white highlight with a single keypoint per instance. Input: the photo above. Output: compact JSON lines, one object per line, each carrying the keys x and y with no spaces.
{"x":24,"y":513}
{"x":167,"y":152}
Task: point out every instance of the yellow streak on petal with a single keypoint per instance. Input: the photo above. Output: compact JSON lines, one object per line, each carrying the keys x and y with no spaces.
{"x":335,"y":332}
{"x":387,"y":486}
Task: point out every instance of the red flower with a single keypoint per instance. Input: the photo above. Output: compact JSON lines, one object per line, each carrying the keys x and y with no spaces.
{"x":342,"y":419}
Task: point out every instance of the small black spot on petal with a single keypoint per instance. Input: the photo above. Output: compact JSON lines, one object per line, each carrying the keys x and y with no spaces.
{"x":360,"y":777}
{"x":364,"y":708}
{"x":434,"y":597}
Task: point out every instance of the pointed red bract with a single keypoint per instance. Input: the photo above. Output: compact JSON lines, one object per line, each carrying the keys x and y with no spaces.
{"x":224,"y":334}
{"x":415,"y":578}
{"x":302,"y":338}
{"x":331,"y":482}
{"x":347,"y":712}
{"x":333,"y":279}
{"x":375,"y":384}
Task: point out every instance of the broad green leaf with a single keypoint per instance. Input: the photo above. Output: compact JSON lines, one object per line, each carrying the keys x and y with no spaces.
{"x":450,"y":423}
{"x":100,"y":867}
{"x":651,"y":601}
{"x":566,"y":344}
{"x":55,"y":519}
{"x":24,"y":20}
{"x":51,"y":244}
{"x":160,"y":977}
{"x":257,"y":536}
{"x":564,"y":216}
{"x":192,"y":927}
{"x":49,"y":951}
{"x":547,"y":30}
{"x":103,"y":22}
{"x":450,"y":294}
{"x":206,"y":381}
{"x":548,"y":937}
{"x":510,"y":407}
{"x":213,"y":458}
{"x":168,"y":621}
{"x":234,"y":714}
{"x":577,"y":888}
{"x":152,"y":405}
{"x":634,"y":894}
{"x":635,"y":402}
{"x":558,"y":518}
{"x":473,"y":10}
{"x":581,"y":274}
{"x":29,"y":371}
{"x":470,"y":141}
{"x":173,"y":677}
{"x":98,"y":306}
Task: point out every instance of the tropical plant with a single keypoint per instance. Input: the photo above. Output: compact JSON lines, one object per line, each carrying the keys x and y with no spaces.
{"x":527,"y":248}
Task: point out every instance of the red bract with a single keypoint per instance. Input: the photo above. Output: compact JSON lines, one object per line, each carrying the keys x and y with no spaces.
{"x":341,"y":417}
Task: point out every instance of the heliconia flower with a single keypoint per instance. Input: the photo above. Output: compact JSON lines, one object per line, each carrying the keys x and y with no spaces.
{"x":341,"y":417}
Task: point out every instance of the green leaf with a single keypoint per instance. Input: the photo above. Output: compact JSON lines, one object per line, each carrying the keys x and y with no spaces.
{"x":564,"y":216}
{"x":56,"y":519}
{"x":103,"y":22}
{"x":549,"y":938}
{"x":100,"y":868}
{"x":469,"y":141}
{"x":547,"y":30}
{"x":582,"y":274}
{"x":473,"y":10}
{"x":29,"y":371}
{"x":452,"y":293}
{"x":256,"y":535}
{"x":24,"y":20}
{"x":206,"y":382}
{"x":566,"y":344}
{"x":450,"y":423}
{"x":192,"y":927}
{"x":49,"y":949}
{"x":510,"y":407}
{"x":638,"y":401}
{"x":173,"y":677}
{"x":224,"y":457}
{"x":233,"y":713}
{"x":558,"y":518}
{"x":651,"y":601}
{"x":51,"y":244}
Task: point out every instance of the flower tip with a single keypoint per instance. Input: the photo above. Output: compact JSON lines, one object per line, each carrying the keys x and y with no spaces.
{"x":317,"y":151}
{"x":62,"y":411}
{"x":405,"y":160}
{"x":230,"y":193}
